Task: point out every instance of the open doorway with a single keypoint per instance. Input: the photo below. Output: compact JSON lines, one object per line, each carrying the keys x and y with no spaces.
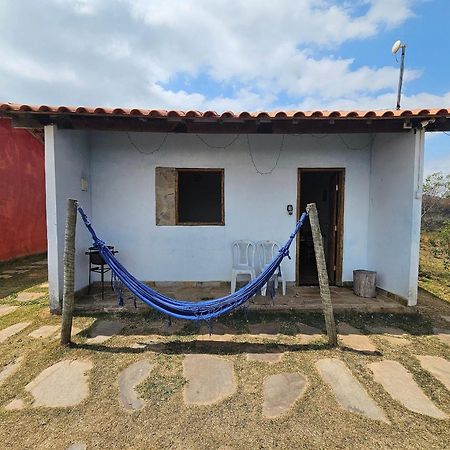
{"x":325,"y":188}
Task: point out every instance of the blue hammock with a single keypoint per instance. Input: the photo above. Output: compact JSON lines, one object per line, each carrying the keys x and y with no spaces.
{"x":190,"y":310}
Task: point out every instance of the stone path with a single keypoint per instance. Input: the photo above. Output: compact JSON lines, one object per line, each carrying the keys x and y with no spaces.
{"x":348,"y":390}
{"x":438,"y":367}
{"x":77,"y":446}
{"x":395,"y":336}
{"x":220,"y":333}
{"x":308,"y":334}
{"x":61,"y":385}
{"x":45,"y":331}
{"x":209,"y":379}
{"x":104,"y":330}
{"x":265,"y":330}
{"x":15,"y":405}
{"x":10,"y":369}
{"x":7,"y":309}
{"x":129,"y":379}
{"x":400,"y":385}
{"x":6,"y":333}
{"x":353,"y":338}
{"x":28,"y":296}
{"x":443,"y":334}
{"x":270,"y":358}
{"x":281,"y":392}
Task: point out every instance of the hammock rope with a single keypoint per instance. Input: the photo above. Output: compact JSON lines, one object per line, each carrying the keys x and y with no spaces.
{"x":182,"y":309}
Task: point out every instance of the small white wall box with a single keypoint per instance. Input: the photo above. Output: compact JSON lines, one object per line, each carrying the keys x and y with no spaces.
{"x":84,"y":184}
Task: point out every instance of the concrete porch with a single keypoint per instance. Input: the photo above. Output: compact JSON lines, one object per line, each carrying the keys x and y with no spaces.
{"x":299,"y":298}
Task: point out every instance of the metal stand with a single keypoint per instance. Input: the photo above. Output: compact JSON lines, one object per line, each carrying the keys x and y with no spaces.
{"x":98,"y":265}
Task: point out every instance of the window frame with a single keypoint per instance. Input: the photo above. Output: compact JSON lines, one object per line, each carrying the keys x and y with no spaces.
{"x":222,"y":196}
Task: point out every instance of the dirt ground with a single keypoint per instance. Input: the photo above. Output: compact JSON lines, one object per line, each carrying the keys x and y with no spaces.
{"x":316,"y":421}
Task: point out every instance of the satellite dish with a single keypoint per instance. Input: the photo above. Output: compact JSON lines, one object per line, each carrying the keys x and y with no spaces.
{"x":396,"y":46}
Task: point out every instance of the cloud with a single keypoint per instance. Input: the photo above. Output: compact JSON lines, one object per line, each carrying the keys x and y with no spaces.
{"x":257,"y":54}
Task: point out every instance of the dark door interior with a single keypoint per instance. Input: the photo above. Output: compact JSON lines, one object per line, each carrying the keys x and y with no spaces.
{"x":320,"y":187}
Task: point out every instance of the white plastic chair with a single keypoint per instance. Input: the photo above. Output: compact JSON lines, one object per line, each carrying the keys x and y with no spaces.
{"x":267,"y":250}
{"x":243,"y":261}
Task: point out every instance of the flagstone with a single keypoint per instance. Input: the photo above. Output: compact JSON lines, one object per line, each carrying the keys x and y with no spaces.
{"x":210,"y":379}
{"x":104,"y":330}
{"x":10,"y":369}
{"x":61,"y":385}
{"x":219,"y":333}
{"x":77,"y":446}
{"x":13,"y":272}
{"x":7,"y":309}
{"x":129,"y":379}
{"x":5,"y":276}
{"x":348,"y":391}
{"x":265,"y":357}
{"x":43,"y":262}
{"x":43,"y":285}
{"x":308,"y":334}
{"x":281,"y":391}
{"x":438,"y":367}
{"x":45,"y":331}
{"x":443,"y":334}
{"x":400,"y":385}
{"x":28,"y":296}
{"x":353,"y":338}
{"x":15,"y":404}
{"x":6,"y":333}
{"x":265,"y":330}
{"x":446,"y":318}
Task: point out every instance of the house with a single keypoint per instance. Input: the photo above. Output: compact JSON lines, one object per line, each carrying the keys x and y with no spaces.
{"x":22,"y":192}
{"x":171,"y":189}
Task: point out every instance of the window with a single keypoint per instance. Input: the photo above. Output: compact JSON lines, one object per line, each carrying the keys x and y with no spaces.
{"x":199,"y":197}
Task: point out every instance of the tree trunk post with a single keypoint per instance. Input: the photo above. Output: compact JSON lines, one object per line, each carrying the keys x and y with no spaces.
{"x":322,"y":273}
{"x":69,"y":272}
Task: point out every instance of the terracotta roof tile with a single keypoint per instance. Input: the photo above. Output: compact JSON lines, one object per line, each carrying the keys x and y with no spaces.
{"x":317,"y":114}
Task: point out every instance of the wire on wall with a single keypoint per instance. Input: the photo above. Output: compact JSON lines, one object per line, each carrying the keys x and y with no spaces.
{"x":152,"y":152}
{"x":219,"y":147}
{"x":276,"y":161}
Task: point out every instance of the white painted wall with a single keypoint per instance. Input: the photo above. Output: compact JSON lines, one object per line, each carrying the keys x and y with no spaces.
{"x":67,"y":159}
{"x":395,"y":211}
{"x":123,"y":198}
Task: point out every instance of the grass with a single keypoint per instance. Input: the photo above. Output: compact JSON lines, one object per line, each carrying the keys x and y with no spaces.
{"x":315,"y":422}
{"x":433,"y":277}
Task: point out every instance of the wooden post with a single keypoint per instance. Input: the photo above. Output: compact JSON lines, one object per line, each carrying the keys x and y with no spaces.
{"x":322,"y":273}
{"x":69,"y":272}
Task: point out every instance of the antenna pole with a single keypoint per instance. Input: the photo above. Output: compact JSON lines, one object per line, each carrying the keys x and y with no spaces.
{"x":400,"y":81}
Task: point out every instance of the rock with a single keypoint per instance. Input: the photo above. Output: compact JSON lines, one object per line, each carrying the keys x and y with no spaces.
{"x":104,"y":330}
{"x":45,"y":331}
{"x":446,"y":318}
{"x":265,"y":357}
{"x":129,"y":379}
{"x":15,"y":405}
{"x":28,"y":296}
{"x":7,"y":309}
{"x":438,"y":367}
{"x":43,"y":285}
{"x":400,"y":385}
{"x":281,"y":391}
{"x":12,"y":330}
{"x":351,"y":337}
{"x":443,"y":335}
{"x":308,"y":334}
{"x":5,"y":276}
{"x":210,"y":379}
{"x":10,"y":369}
{"x":348,"y":390}
{"x":62,"y":385}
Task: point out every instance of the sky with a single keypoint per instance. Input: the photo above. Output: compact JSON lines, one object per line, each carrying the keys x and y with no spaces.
{"x":228,"y":55}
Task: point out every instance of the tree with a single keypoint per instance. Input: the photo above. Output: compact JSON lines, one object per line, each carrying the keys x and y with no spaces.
{"x":435,"y":188}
